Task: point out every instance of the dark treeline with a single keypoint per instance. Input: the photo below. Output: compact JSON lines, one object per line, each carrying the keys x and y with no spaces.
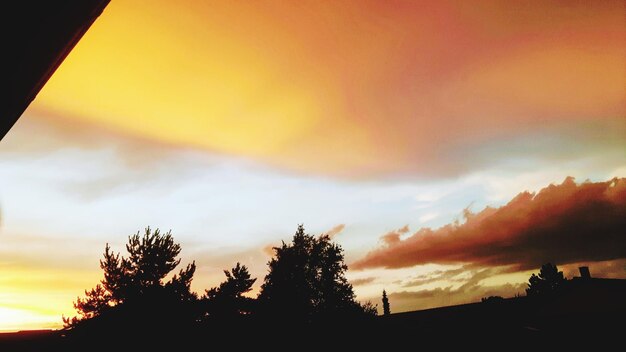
{"x":305,"y":287}
{"x":144,"y":302}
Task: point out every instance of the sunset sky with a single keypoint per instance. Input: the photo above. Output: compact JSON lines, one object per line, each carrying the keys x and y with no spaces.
{"x":451,"y":148}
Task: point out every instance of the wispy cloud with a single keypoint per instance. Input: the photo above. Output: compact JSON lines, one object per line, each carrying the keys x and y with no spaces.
{"x":332,"y":233}
{"x":362,"y":281}
{"x":427,"y":217}
{"x":435,"y":276}
{"x":466,"y":289}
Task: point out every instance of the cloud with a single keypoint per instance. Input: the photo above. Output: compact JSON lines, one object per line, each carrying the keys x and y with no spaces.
{"x":362,"y":281}
{"x":103,"y":161}
{"x":378,"y":105}
{"x":435,"y":276}
{"x":467,"y":285}
{"x":40,"y":132}
{"x":393,"y":237}
{"x":470,"y":290}
{"x":438,"y":297}
{"x":19,"y":250}
{"x":563,"y":223}
{"x":427,"y":217}
{"x":334,"y":231}
{"x":269,"y":250}
{"x":615,"y":269}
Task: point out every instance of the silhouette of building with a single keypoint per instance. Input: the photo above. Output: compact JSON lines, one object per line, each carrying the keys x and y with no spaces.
{"x":584,"y":272}
{"x":590,"y":293}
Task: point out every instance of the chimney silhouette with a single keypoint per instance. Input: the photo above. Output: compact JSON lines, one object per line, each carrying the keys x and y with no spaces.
{"x":584,"y":272}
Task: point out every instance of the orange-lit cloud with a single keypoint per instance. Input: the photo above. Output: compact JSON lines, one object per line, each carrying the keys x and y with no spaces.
{"x":332,"y":233}
{"x":355,"y":88}
{"x":393,"y":237}
{"x":564,"y":223}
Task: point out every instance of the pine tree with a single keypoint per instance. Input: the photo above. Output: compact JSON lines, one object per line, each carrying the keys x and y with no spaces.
{"x":138,"y":280}
{"x":227,"y":300}
{"x":386,"y":309}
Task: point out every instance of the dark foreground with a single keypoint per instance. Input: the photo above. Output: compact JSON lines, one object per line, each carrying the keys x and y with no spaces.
{"x":599,"y":331}
{"x":591,"y":316}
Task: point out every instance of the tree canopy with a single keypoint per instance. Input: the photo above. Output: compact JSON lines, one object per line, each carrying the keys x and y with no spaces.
{"x":227,"y":301}
{"x":306,"y":281}
{"x":549,"y":281}
{"x":139,"y":278}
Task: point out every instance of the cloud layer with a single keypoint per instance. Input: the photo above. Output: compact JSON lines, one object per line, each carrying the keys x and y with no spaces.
{"x":564,"y":223}
{"x":355,"y":89}
{"x":455,"y":286}
{"x":438,"y":297}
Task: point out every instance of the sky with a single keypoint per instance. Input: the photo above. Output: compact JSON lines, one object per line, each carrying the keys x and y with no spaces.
{"x":451,"y":148}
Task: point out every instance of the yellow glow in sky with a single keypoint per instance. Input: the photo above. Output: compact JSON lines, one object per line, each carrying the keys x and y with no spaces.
{"x":153,"y":76}
{"x":37,"y":297}
{"x":354,"y":88}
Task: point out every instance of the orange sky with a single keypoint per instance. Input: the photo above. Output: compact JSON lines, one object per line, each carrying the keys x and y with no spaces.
{"x":358,"y":88}
{"x":376,"y":113}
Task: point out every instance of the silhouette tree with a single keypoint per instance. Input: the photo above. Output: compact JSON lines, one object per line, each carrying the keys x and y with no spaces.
{"x":549,"y":281}
{"x":227,"y":301}
{"x":386,"y":309}
{"x":138,"y":280}
{"x":306,"y":281}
